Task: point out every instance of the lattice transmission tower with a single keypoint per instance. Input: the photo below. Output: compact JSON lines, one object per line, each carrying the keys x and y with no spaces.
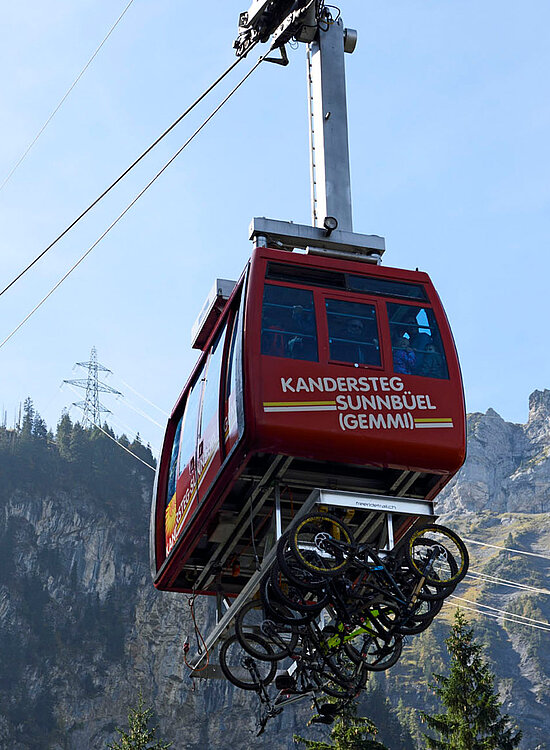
{"x":91,"y":407}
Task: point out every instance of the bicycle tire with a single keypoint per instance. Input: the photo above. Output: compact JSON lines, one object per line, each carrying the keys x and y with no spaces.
{"x":375,"y":653}
{"x":408,"y":578}
{"x":233,"y":662}
{"x":252,"y":620}
{"x":279,"y":611}
{"x":313,"y":534}
{"x":295,"y":571}
{"x":439,"y":571}
{"x":342,"y":684}
{"x":296,"y":597}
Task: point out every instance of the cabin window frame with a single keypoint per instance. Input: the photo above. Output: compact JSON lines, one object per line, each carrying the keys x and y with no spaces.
{"x":379,"y":309}
{"x":436,"y":325}
{"x":316,"y":327}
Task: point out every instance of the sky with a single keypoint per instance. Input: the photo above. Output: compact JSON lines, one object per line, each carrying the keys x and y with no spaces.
{"x":449,"y":122}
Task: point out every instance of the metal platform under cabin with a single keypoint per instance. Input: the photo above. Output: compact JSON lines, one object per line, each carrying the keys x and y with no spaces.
{"x":268,"y":495}
{"x":378,"y":520}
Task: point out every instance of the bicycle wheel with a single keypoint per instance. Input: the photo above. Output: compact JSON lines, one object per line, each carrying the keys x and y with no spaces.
{"x":343,"y":677}
{"x":241,"y":668}
{"x":420,"y":617}
{"x":296,"y":597}
{"x":377,"y":654}
{"x":253,"y":620}
{"x":322,"y":543}
{"x":408,"y":581}
{"x":295,"y":571}
{"x":380,"y":618}
{"x":437,"y":554}
{"x":275,"y":609}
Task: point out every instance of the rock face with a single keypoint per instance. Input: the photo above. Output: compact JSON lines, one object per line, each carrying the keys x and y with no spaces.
{"x":507,"y":468}
{"x":82,"y":629}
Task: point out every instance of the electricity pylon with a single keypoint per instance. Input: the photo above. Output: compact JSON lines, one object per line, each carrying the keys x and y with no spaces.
{"x":91,"y":407}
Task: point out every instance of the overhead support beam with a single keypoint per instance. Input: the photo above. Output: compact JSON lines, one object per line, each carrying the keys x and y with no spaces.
{"x":329,"y":141}
{"x":316,"y":240}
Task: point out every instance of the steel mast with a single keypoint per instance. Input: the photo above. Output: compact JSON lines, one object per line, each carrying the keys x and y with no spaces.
{"x":311,"y":22}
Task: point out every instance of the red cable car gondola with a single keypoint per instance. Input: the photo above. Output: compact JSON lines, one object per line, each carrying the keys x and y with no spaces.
{"x":316,"y":371}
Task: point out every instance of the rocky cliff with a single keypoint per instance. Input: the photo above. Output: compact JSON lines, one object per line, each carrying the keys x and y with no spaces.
{"x":82,"y":629}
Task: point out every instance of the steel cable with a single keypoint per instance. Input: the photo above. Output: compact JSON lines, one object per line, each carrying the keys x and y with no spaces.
{"x":71,"y":87}
{"x":133,"y":202}
{"x":122,"y":176}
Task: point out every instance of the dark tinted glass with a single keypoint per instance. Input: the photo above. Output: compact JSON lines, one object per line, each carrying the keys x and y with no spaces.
{"x":304,"y":275}
{"x":353,"y":332}
{"x":416,"y":342}
{"x":288,"y":323}
{"x":210,"y":397}
{"x":174,"y":464}
{"x":387,"y":287}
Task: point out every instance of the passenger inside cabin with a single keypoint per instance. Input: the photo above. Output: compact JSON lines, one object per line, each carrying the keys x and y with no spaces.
{"x":355,"y":343}
{"x":302,"y":345}
{"x":273,"y":340}
{"x":404,"y":357}
{"x":432,"y":363}
{"x":288,"y":323}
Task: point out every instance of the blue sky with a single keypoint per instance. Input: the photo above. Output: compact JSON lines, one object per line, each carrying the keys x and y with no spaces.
{"x":449,"y":136}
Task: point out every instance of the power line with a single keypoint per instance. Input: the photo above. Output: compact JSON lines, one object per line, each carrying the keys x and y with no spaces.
{"x":496,"y":616}
{"x":129,"y":206}
{"x":123,"y":446}
{"x":506,"y":549}
{"x":99,"y":427}
{"x":71,"y":87}
{"x":142,"y":413}
{"x":501,"y":611}
{"x":127,"y":385}
{"x":130,"y":432}
{"x":486,"y":578}
{"x":122,"y":176}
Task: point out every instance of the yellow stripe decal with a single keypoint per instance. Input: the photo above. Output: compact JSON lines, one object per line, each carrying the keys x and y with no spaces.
{"x":437,"y":419}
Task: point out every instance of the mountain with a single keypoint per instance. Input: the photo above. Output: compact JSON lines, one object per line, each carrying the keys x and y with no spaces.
{"x":82,"y":629}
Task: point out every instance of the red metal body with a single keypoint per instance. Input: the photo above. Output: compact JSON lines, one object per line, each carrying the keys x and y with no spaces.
{"x":267,"y":387}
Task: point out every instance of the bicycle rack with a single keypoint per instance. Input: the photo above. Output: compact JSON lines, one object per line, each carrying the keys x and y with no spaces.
{"x":374,"y":519}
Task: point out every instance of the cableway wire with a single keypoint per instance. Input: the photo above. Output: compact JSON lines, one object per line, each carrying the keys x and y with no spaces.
{"x":506,"y":549}
{"x":126,"y":172}
{"x":487,"y":578}
{"x":71,"y":87}
{"x":497,"y":616}
{"x":134,"y":201}
{"x":520,"y":618}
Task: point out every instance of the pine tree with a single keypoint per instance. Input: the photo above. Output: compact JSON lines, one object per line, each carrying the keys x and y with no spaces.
{"x":472,"y":720}
{"x":139,"y":736}
{"x":350,"y":732}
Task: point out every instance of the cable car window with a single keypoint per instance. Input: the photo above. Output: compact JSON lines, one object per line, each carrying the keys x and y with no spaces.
{"x":306,"y":275}
{"x":353,"y":332}
{"x":210,"y":399}
{"x":189,"y":431}
{"x":387,"y":287}
{"x":416,"y":342}
{"x":288,"y":323}
{"x":231,"y":381}
{"x":174,"y":463}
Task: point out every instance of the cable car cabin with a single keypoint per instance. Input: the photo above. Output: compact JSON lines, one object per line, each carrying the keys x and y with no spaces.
{"x":319,"y":372}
